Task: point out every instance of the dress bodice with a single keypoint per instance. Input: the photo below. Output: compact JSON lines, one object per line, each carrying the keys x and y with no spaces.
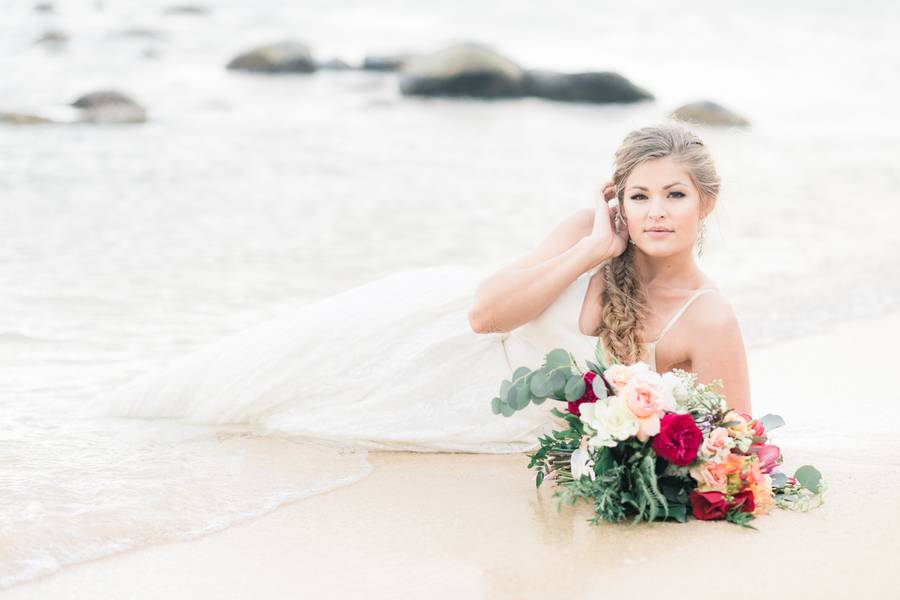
{"x":556,"y":327}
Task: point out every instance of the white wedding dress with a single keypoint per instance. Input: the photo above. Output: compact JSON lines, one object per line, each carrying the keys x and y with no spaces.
{"x":388,"y":365}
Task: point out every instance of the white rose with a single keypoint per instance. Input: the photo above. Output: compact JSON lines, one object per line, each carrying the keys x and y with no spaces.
{"x":675,"y":386}
{"x":611,"y":419}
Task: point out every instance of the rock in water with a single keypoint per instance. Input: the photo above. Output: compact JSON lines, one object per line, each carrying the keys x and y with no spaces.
{"x":466,"y":69}
{"x":13,"y":118}
{"x":335,"y":64}
{"x":707,"y":112}
{"x":282,"y":57}
{"x":393,"y":62}
{"x":193,"y":10}
{"x":600,"y":87}
{"x":109,"y":106}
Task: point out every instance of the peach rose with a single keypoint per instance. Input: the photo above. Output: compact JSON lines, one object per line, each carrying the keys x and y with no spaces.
{"x":618,"y":376}
{"x":716,"y":442}
{"x":647,"y":427}
{"x":643,"y":398}
{"x":710,"y":477}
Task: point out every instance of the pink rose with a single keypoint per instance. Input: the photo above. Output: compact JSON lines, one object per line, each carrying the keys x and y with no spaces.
{"x":715,"y":441}
{"x":643,"y":398}
{"x":710,"y":477}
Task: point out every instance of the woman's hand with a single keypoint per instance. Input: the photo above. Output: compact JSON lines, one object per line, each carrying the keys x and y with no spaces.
{"x":604,"y":240}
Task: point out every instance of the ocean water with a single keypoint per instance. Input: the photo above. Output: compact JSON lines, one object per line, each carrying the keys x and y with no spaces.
{"x":123,"y":247}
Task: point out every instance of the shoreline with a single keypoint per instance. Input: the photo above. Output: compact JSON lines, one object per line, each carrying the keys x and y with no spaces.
{"x":476,"y":524}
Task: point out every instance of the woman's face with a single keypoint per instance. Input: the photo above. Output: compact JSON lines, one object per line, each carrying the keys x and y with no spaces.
{"x":662,"y":207}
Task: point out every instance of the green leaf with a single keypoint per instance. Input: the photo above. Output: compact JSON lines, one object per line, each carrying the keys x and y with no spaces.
{"x":537,"y":400}
{"x":539,"y":479}
{"x":520,"y":372}
{"x":506,"y":410}
{"x":540,"y":384}
{"x":574,"y":388}
{"x":592,"y":366}
{"x":678,"y":512}
{"x":599,"y":387}
{"x":521,"y":395}
{"x":495,"y":406}
{"x":809,"y":477}
{"x":779,"y":479}
{"x":771,"y":421}
{"x":504,"y":390}
{"x":557,"y":358}
{"x":558,"y":384}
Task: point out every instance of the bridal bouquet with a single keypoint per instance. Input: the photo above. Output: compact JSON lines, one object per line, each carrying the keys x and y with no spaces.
{"x":643,"y":446}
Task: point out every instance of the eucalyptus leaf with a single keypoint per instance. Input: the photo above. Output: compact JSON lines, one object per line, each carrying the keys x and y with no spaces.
{"x":557,"y":358}
{"x":520,"y":372}
{"x":538,"y":400}
{"x":540,"y":384}
{"x":522,"y":395}
{"x":809,"y":477}
{"x":506,"y":410}
{"x":592,"y":366}
{"x":558,"y":384}
{"x":779,"y":479}
{"x":574,"y":388}
{"x":504,"y":390}
{"x":599,"y":387}
{"x":771,"y":421}
{"x":495,"y":406}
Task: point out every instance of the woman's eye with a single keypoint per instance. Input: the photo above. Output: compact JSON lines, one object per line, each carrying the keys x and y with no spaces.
{"x":680,"y":194}
{"x":637,"y":197}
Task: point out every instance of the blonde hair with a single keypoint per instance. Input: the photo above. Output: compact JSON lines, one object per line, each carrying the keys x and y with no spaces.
{"x":624,"y":300}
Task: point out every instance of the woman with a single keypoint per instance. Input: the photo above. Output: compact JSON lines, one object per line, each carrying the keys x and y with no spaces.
{"x":649,"y":300}
{"x":394,"y":364}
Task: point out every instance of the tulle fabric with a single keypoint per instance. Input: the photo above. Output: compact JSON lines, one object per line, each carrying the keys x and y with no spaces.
{"x":388,"y":365}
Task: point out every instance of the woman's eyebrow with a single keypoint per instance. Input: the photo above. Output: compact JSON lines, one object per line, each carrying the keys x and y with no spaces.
{"x":637,"y":187}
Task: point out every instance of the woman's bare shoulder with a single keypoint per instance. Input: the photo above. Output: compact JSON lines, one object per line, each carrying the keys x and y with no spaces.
{"x":713,"y":310}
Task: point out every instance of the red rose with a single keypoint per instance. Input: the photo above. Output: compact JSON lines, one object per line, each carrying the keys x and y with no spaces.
{"x":588,"y":396}
{"x":708,"y":506}
{"x":744,"y":501}
{"x":678,"y":439}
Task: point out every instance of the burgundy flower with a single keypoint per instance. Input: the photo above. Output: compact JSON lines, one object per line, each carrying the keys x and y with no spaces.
{"x":588,"y":396}
{"x":678,"y":439}
{"x":744,"y":502}
{"x":708,"y":506}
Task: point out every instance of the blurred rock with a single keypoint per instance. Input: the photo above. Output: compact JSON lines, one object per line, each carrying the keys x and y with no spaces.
{"x":14,"y":118}
{"x":140,"y":33}
{"x":599,"y":87}
{"x":109,"y":106}
{"x":53,"y":38}
{"x":193,"y":10}
{"x":707,"y":112}
{"x":393,"y":62}
{"x":335,"y":64}
{"x":282,"y":57}
{"x":466,"y":69}
{"x":44,"y":7}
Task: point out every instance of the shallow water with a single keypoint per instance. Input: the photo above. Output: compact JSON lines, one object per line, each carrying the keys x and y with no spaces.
{"x":245,"y":195}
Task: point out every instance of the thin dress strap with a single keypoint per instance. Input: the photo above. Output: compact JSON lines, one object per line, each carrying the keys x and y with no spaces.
{"x":680,"y":312}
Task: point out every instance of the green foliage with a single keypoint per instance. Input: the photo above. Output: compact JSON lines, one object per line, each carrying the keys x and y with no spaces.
{"x":558,"y":378}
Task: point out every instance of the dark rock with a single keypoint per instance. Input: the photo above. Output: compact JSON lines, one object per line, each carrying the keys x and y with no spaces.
{"x":466,"y":69}
{"x":109,"y":106}
{"x":140,"y":33}
{"x":192,"y":10}
{"x":603,"y":87}
{"x":393,"y":62}
{"x":44,"y":7}
{"x":282,"y":57}
{"x":53,"y":38}
{"x":707,"y":112}
{"x":335,"y":64}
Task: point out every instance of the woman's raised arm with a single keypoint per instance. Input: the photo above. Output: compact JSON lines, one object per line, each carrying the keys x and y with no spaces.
{"x":523,"y":289}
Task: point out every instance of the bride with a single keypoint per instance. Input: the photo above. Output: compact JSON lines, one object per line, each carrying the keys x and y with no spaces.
{"x":412,"y":360}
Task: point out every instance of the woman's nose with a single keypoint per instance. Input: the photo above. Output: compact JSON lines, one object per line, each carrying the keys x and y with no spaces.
{"x":656,"y":209}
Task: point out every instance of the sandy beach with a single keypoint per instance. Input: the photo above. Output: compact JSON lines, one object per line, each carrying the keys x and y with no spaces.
{"x":474,"y":526}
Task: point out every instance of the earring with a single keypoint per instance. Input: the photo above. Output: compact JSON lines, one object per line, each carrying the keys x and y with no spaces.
{"x":701,"y":238}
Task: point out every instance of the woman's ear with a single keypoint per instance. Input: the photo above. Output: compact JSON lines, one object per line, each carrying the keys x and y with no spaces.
{"x":707,"y":206}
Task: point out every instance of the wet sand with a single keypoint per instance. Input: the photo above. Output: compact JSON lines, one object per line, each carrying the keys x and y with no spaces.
{"x":474,"y":526}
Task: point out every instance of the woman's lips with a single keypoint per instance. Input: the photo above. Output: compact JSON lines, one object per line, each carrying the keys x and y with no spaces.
{"x":657,"y":234}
